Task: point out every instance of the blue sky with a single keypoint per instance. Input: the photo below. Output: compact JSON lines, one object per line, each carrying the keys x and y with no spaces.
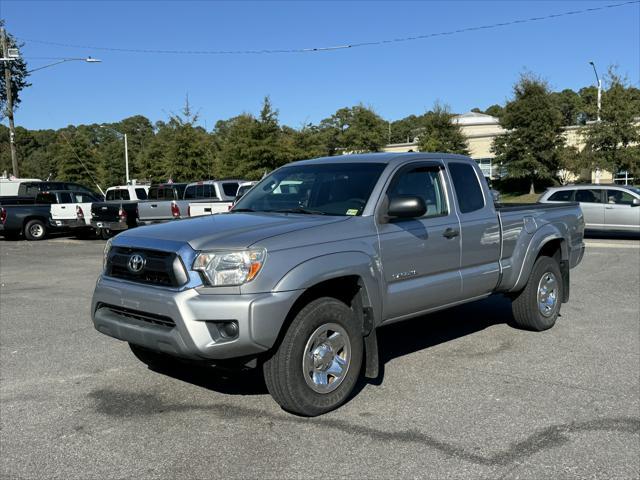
{"x":464,"y":70}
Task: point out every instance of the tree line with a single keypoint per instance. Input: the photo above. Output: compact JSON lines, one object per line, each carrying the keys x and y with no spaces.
{"x":247,"y":145}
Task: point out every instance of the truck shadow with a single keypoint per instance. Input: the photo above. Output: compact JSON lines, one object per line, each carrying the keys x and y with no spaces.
{"x":394,"y":341}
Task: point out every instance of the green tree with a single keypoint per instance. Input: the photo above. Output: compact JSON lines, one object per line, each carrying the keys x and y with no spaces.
{"x":530,"y":148}
{"x":611,"y":143}
{"x":19,"y":74}
{"x":570,"y":105}
{"x":440,"y":134}
{"x":356,"y":129}
{"x":75,"y":155}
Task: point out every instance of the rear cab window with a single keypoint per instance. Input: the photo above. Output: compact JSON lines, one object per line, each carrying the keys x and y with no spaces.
{"x":467,"y":187}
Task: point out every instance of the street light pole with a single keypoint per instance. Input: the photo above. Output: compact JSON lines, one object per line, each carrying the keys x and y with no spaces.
{"x":126,"y":150}
{"x":87,"y":59}
{"x":7,"y":85}
{"x":599,"y":89}
{"x":126,"y":158}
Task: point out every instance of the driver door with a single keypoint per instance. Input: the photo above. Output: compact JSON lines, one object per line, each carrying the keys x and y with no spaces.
{"x":420,"y":256}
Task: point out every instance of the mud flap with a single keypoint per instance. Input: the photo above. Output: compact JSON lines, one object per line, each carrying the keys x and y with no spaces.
{"x":564,"y":269}
{"x":372,"y":360}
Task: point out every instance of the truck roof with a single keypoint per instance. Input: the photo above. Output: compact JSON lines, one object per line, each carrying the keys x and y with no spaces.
{"x":386,"y":158}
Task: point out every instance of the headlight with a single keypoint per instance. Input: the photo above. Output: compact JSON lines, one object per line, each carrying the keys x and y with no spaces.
{"x":105,"y":255}
{"x":225,"y":268}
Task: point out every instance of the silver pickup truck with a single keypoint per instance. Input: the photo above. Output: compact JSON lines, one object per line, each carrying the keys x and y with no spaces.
{"x":297,"y":280}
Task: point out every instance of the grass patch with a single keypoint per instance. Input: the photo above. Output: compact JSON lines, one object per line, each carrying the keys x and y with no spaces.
{"x":519,"y":198}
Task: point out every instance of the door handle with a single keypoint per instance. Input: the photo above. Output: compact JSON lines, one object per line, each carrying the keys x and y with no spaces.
{"x":153,"y":206}
{"x":609,"y":208}
{"x":451,"y":233}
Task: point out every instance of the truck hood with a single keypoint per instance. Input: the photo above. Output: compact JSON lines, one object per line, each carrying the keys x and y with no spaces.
{"x":226,"y":231}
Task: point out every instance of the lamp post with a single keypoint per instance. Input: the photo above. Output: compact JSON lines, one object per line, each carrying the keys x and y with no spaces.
{"x":599,"y":89}
{"x":9,"y":55}
{"x":126,"y":150}
{"x":87,"y":59}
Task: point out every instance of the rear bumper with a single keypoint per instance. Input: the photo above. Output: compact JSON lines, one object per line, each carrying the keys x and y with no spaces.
{"x":186,"y":323}
{"x":70,"y":223}
{"x":113,"y":226}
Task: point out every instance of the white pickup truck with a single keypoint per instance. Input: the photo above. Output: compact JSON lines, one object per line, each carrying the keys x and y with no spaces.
{"x":220,"y":193}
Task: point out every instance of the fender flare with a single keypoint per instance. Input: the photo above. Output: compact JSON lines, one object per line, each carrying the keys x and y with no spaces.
{"x":334,"y":265}
{"x":540,"y":238}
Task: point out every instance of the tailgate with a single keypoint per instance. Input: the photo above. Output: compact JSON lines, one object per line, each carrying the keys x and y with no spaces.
{"x":63,"y":211}
{"x":105,"y":212}
{"x":198,"y":209}
{"x":154,"y":211}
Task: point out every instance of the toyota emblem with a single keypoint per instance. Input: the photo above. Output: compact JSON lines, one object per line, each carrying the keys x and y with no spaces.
{"x":136,"y":263}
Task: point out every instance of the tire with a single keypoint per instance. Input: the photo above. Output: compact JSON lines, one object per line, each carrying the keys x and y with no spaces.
{"x":35,"y":230}
{"x":546,"y":280}
{"x":295,"y":381}
{"x":104,"y":233}
{"x":154,"y":360}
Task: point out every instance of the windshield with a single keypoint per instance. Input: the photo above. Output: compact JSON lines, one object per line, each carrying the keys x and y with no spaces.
{"x":326,"y":189}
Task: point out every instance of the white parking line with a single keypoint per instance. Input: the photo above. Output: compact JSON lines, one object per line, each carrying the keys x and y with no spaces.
{"x":635,"y":246}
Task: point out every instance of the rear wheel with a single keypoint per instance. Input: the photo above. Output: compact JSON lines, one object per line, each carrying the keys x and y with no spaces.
{"x":318,"y":363}
{"x":35,"y":230}
{"x":538,"y":305}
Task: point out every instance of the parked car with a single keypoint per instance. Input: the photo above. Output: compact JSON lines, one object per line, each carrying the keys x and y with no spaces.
{"x":55,"y":210}
{"x":9,"y":186}
{"x":162,"y":203}
{"x":605,"y":207}
{"x":222,"y":194}
{"x":242,"y":189}
{"x":298,"y":276}
{"x":119,"y":211}
{"x":127,"y":193}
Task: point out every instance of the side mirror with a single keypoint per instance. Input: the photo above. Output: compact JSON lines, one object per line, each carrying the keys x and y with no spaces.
{"x":406,"y":206}
{"x":635,"y":202}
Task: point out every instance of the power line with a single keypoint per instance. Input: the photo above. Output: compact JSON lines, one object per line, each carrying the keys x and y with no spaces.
{"x":337,"y":47}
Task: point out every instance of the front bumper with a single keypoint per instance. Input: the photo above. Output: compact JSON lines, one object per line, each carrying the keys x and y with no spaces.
{"x":143,"y":315}
{"x":113,"y":226}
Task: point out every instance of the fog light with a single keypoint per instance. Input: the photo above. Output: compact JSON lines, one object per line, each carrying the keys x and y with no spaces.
{"x":229,"y":329}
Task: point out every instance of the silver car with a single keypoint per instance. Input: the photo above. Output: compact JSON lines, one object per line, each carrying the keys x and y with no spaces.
{"x":605,"y":207}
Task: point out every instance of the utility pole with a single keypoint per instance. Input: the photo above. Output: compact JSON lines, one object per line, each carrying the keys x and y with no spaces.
{"x":7,"y":84}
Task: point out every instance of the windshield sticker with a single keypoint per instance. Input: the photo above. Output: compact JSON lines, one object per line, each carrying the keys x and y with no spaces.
{"x":352,"y":211}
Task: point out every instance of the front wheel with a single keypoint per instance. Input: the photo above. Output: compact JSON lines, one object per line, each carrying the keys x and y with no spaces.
{"x":318,"y":363}
{"x":537,"y":306}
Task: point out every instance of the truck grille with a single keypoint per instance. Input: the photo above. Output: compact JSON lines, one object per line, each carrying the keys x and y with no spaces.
{"x":158,"y":268}
{"x":128,"y":313}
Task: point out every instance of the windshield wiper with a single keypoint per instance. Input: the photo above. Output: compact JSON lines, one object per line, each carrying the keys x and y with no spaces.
{"x":300,"y":210}
{"x":241,"y":210}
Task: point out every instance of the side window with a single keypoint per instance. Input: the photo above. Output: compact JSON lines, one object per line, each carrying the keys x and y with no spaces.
{"x":619,"y":197}
{"x":230,"y":189}
{"x":467,"y":187}
{"x":562,"y":196}
{"x":190,"y":192}
{"x":65,"y":198}
{"x":424,"y":182}
{"x":141,"y":193}
{"x":46,"y":198}
{"x":588,"y":196}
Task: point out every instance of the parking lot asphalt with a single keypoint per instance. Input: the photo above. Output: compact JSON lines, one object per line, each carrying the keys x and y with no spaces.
{"x":463,"y":394}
